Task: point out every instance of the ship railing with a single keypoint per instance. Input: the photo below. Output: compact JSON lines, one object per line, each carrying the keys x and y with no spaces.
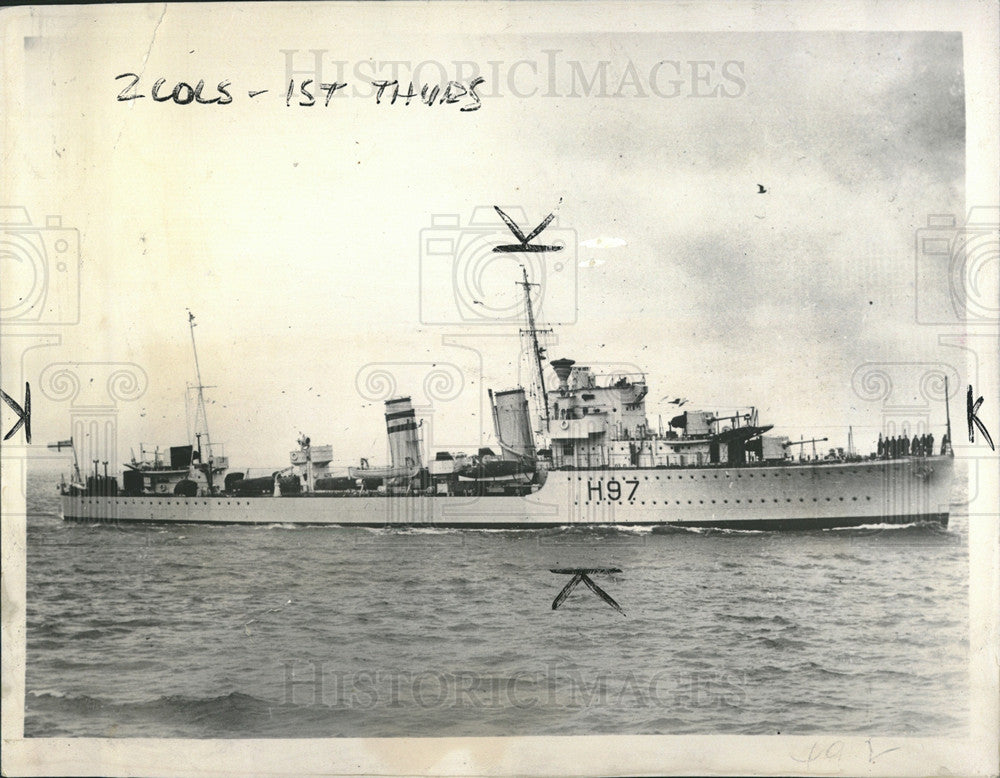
{"x":606,"y":380}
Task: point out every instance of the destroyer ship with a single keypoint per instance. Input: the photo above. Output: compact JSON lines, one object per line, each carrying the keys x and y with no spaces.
{"x":587,"y":455}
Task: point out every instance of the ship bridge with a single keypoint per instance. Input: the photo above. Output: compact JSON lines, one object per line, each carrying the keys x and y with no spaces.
{"x":600,"y":421}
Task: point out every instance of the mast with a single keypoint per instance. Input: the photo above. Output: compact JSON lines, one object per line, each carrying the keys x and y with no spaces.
{"x":201,"y":407}
{"x":947,"y":417}
{"x":76,"y":464}
{"x":533,"y":331}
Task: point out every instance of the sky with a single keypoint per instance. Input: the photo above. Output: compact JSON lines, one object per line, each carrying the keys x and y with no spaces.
{"x":311,"y":241}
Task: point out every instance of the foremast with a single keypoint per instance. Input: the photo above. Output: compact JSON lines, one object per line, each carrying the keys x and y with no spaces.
{"x":537,"y":352}
{"x":201,"y":415}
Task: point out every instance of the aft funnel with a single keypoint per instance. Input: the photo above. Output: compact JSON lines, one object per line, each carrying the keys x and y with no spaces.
{"x":401,"y":424}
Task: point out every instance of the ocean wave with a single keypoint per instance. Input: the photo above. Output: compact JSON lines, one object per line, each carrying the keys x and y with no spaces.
{"x":53,"y":693}
{"x":756,"y":619}
{"x":921,"y":526}
{"x":193,"y":707}
{"x":872,"y":527}
{"x":668,"y":528}
{"x":780,"y":642}
{"x":823,"y":670}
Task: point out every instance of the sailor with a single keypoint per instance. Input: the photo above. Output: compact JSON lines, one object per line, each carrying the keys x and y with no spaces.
{"x":904,"y":446}
{"x":944,"y":444}
{"x":915,"y":447}
{"x":891,"y":448}
{"x":881,"y":446}
{"x":929,"y":447}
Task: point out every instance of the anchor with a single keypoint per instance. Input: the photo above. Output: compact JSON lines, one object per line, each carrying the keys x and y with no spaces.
{"x":582,"y":574}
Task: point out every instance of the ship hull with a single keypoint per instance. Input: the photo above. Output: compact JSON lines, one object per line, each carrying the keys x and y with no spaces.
{"x":774,"y":497}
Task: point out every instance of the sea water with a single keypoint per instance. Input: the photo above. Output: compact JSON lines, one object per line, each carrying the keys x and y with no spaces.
{"x":279,"y":631}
